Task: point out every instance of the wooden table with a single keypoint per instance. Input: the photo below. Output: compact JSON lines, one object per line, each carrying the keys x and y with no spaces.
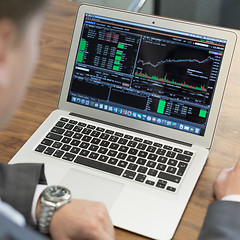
{"x":42,"y":98}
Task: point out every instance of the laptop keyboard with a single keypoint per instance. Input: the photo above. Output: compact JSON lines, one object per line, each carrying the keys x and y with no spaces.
{"x":138,"y":159}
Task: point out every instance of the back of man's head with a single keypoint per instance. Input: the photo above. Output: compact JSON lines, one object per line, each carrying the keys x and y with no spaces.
{"x":19,"y":11}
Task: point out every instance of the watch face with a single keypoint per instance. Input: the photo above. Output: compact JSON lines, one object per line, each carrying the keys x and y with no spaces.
{"x":56,"y":193}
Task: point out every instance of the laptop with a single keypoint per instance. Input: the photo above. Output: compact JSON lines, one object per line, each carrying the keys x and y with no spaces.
{"x":136,"y":116}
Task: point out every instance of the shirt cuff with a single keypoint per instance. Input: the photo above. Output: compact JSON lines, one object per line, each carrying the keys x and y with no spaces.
{"x":38,"y":191}
{"x":232,"y":197}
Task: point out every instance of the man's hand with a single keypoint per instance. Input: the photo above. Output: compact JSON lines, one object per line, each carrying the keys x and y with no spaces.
{"x":80,"y":220}
{"x":227,"y":182}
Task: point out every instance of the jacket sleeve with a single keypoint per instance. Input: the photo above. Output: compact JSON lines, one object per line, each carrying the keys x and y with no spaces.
{"x":222,"y":221}
{"x":18,"y":183}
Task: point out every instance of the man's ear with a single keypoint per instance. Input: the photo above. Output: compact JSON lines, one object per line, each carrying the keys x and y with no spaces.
{"x":7,"y":36}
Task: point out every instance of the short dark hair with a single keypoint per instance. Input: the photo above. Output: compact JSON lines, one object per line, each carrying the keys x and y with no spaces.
{"x":18,"y":11}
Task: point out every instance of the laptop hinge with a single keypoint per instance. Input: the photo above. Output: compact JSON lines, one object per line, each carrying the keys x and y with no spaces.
{"x":131,"y":129}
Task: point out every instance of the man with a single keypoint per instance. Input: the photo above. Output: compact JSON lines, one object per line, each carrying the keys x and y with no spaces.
{"x":22,"y":184}
{"x":222,"y":221}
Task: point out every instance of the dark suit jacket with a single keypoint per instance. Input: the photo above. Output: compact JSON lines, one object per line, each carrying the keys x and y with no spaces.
{"x":222,"y":221}
{"x":18,"y":183}
{"x":17,"y":187}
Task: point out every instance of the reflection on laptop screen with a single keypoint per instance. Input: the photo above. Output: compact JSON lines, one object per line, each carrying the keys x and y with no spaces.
{"x":152,"y":74}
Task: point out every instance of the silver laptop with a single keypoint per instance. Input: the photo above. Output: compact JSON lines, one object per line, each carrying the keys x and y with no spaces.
{"x":136,"y":115}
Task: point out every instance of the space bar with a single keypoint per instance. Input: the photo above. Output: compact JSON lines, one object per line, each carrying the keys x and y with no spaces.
{"x":99,"y":165}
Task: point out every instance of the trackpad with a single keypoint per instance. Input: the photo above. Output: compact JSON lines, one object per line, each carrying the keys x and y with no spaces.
{"x":91,"y":187}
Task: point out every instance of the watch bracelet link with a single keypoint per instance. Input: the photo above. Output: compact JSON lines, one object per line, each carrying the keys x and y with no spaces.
{"x":45,"y":217}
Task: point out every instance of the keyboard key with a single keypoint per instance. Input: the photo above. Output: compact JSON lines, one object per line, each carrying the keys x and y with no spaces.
{"x":84,"y":145}
{"x":91,"y":126}
{"x":188,"y":153}
{"x":172,"y":162}
{"x":132,"y":166}
{"x":77,"y":136}
{"x":131,"y":158}
{"x":104,"y":136}
{"x":100,"y":129}
{"x":102,"y":150}
{"x":152,"y":172}
{"x":151,"y":164}
{"x":57,"y":145}
{"x":159,"y":145}
{"x":58,"y":153}
{"x":82,"y":124}
{"x":122,"y":156}
{"x":128,"y":136}
{"x":75,"y":143}
{"x":103,"y":158}
{"x":75,"y":150}
{"x":172,"y":189}
{"x":86,"y":138}
{"x":112,"y":161}
{"x":142,"y":154}
{"x":162,"y":159}
{"x":182,"y":168}
{"x":99,"y":165}
{"x":77,"y":129}
{"x":161,"y":184}
{"x":123,"y":149}
{"x":49,"y":151}
{"x":133,"y":151}
{"x":152,"y":156}
{"x":171,"y":154}
{"x":60,"y":124}
{"x":149,"y":182}
{"x":104,"y":143}
{"x":40,"y":148}
{"x":171,"y":169}
{"x":95,"y":141}
{"x":132,"y":144}
{"x":161,"y":167}
{"x":68,"y":133}
{"x":167,"y":147}
{"x":93,"y":148}
{"x":178,"y":150}
{"x":86,"y":131}
{"x":119,"y":134}
{"x":142,"y":169}
{"x":151,"y":149}
{"x":94,"y":155}
{"x":73,"y":122}
{"x":66,"y":140}
{"x":138,"y":139}
{"x":114,"y":146}
{"x":112,"y":153}
{"x":169,"y":177}
{"x":122,"y":141}
{"x":109,"y":132}
{"x":122,"y":164}
{"x":129,"y":174}
{"x":58,"y":130}
{"x":69,"y":156}
{"x":66,"y":147}
{"x":148,"y":142}
{"x":140,"y":177}
{"x":141,"y":161}
{"x":64,"y":119}
{"x":141,"y":146}
{"x":84,"y":152}
{"x":54,"y":136}
{"x":69,"y":126}
{"x":95,"y":133}
{"x":113,"y":139}
{"x":47,"y":142}
{"x":183,"y":157}
{"x":161,"y":152}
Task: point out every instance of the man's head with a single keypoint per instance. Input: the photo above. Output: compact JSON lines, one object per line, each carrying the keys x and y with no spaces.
{"x":20,"y":23}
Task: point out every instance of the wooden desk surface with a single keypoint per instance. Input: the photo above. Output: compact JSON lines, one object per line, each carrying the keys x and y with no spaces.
{"x":42,"y":98}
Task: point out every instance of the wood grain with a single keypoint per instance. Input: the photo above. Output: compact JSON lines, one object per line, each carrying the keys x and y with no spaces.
{"x":42,"y":98}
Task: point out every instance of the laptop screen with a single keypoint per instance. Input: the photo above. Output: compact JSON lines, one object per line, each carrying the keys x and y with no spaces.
{"x":152,"y":74}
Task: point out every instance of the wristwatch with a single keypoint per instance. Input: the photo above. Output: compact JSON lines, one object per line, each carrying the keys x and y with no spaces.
{"x":52,"y":198}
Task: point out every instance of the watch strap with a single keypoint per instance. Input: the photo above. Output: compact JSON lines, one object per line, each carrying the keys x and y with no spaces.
{"x":45,"y":217}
